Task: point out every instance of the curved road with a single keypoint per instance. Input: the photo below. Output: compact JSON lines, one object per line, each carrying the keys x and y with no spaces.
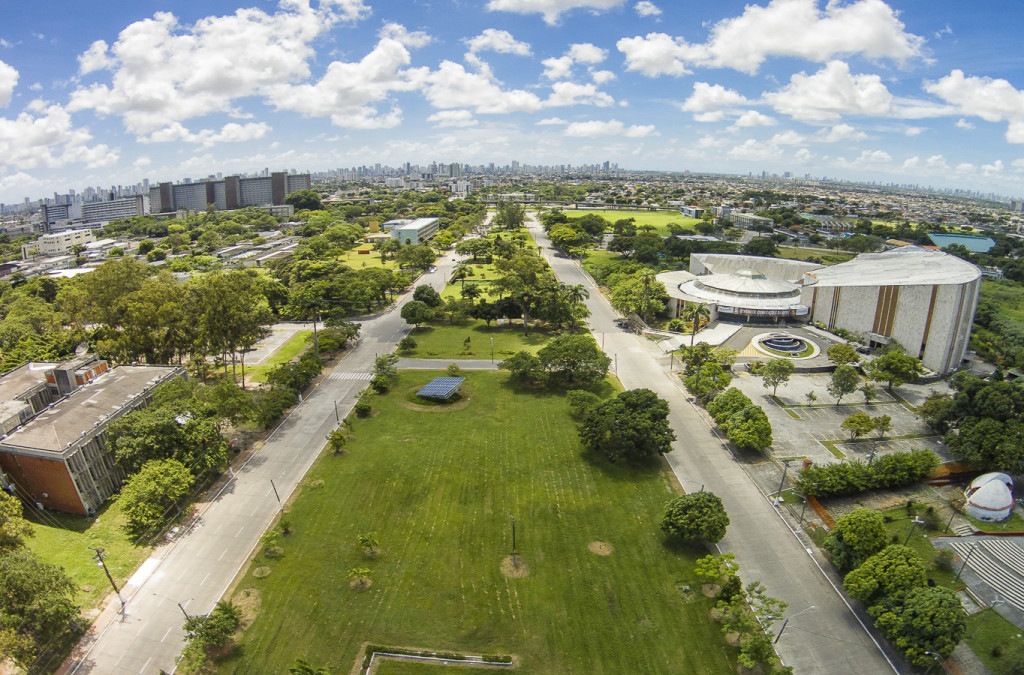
{"x":826,"y":639}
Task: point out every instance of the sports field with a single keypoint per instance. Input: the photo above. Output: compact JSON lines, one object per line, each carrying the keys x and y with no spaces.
{"x":596,"y":591}
{"x":657,"y":219}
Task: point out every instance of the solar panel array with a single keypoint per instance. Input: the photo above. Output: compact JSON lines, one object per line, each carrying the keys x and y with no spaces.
{"x":441,"y":387}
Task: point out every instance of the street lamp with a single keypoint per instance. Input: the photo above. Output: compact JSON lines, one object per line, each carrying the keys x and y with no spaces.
{"x":974,"y":547}
{"x":778,"y":495}
{"x":997,"y":601}
{"x":937,"y":658}
{"x":177,"y":603}
{"x":492,"y":349}
{"x":915,"y":521}
{"x":786,"y":622}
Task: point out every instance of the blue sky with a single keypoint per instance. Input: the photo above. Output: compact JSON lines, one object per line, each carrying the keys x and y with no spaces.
{"x":913,"y":92}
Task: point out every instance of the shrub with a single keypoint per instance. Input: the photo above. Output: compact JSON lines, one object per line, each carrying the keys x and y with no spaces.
{"x":888,"y":471}
{"x":727,"y":404}
{"x":380,"y":384}
{"x":581,"y":402}
{"x":363,"y":409}
{"x":407,"y":344}
{"x":453,"y":370}
{"x":271,"y":404}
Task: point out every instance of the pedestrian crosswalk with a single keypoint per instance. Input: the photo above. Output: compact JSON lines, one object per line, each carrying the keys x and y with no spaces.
{"x":350,"y":376}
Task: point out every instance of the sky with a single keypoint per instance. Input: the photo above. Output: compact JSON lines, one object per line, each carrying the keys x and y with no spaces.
{"x":909,"y":91}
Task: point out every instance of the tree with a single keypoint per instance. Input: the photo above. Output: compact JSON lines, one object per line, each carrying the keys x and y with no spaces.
{"x":894,"y":367}
{"x":369,"y":543}
{"x":698,"y":515}
{"x":858,"y":424}
{"x":844,"y":381}
{"x":869,"y":391}
{"x":881,"y":424}
{"x":167,"y":431}
{"x":148,"y":495}
{"x":37,"y":602}
{"x":775,"y":372}
{"x":631,"y":426}
{"x":304,"y":200}
{"x":523,"y":365}
{"x":407,"y":344}
{"x":930,"y":620}
{"x":427,"y":295}
{"x":856,"y":537}
{"x":708,"y":382}
{"x":14,"y":529}
{"x":416,"y":312}
{"x":749,"y":428}
{"x":841,"y":354}
{"x":761,"y":246}
{"x":885,"y":578}
{"x":574,"y":357}
{"x":695,"y":312}
{"x":301,"y":667}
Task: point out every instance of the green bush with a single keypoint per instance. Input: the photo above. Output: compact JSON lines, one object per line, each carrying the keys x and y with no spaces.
{"x":849,"y":478}
{"x":581,"y":402}
{"x":271,"y":404}
{"x":363,"y":409}
{"x":380,"y":384}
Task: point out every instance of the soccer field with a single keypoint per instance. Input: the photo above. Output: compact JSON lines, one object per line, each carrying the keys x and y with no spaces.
{"x":598,"y":590}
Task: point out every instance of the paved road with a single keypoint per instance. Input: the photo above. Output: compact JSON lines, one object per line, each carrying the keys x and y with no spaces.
{"x":197,"y":569}
{"x":826,"y":639}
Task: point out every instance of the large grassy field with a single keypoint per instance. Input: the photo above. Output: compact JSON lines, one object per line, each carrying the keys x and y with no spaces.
{"x":658,"y":219}
{"x":827,"y":257}
{"x":442,"y":341}
{"x":439,"y":487}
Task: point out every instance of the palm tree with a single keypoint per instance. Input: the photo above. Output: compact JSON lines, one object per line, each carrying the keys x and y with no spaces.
{"x":301,"y":667}
{"x":525,"y":298}
{"x":576,"y":293}
{"x":695,"y":312}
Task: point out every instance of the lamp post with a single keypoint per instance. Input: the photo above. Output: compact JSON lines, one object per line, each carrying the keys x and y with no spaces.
{"x":786,"y":622}
{"x":950,"y":521}
{"x":100,"y":555}
{"x":871,"y":457}
{"x":785,"y":469}
{"x":936,"y":659}
{"x":974,"y":547}
{"x":802,"y":510}
{"x":997,"y":601}
{"x":177,"y":603}
{"x":492,"y":349}
{"x":915,"y":521}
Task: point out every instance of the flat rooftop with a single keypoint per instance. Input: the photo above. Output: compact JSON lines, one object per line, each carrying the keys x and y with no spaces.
{"x":23,"y":378}
{"x":66,"y":420}
{"x":905,"y":266}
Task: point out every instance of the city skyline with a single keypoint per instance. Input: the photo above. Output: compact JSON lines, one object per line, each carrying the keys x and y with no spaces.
{"x":863,"y":91}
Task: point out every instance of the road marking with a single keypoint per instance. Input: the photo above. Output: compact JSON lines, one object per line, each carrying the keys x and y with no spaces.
{"x":350,"y":376}
{"x":203,"y":582}
{"x":240,"y":531}
{"x":222,"y":555}
{"x":146,"y":664}
{"x":166,"y":634}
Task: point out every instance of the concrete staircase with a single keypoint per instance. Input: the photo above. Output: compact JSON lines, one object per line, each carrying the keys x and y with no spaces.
{"x":1000,"y":563}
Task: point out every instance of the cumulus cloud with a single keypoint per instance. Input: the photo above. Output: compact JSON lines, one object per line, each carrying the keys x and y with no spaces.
{"x":560,"y":67}
{"x":913,"y":132}
{"x":646,"y":8}
{"x":399,"y":33}
{"x":8,"y":80}
{"x":964,"y":124}
{"x":602,"y":76}
{"x":840,"y":133}
{"x":784,"y":28}
{"x":596,"y":128}
{"x":788,"y":137}
{"x":830,"y":93}
{"x":868,"y":159}
{"x":752,"y":118}
{"x":711,"y":97}
{"x":500,"y":41}
{"x":995,"y":167}
{"x":550,"y":9}
{"x":751,"y":150}
{"x":452,"y":86}
{"x":231,"y":132}
{"x":569,"y":93}
{"x":452,"y":118}
{"x":993,"y":100}
{"x":44,"y":137}
{"x":95,"y":58}
{"x":551,"y":121}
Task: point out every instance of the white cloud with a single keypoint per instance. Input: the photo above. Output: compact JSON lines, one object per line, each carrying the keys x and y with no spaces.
{"x":231,"y":132}
{"x":994,"y":168}
{"x":1018,"y":164}
{"x":44,"y":137}
{"x":452,"y":86}
{"x":784,"y":28}
{"x":840,"y":133}
{"x":710,"y":97}
{"x":8,"y":80}
{"x":803,"y":155}
{"x":550,"y":9}
{"x":965,"y":167}
{"x":876,"y":159}
{"x":569,"y":93}
{"x":788,"y":137}
{"x":913,"y":132}
{"x":500,"y":41}
{"x":647,"y":8}
{"x":165,"y":73}
{"x":398,"y":33}
{"x":95,"y":58}
{"x":752,"y":118}
{"x":602,"y":76}
{"x":993,"y":100}
{"x":560,"y":67}
{"x":348,"y":92}
{"x":830,"y":93}
{"x":453,"y":118}
{"x":710,"y":116}
{"x":350,"y":10}
{"x":937,"y":162}
{"x":19,"y":182}
{"x":964,"y":124}
{"x":595,"y":128}
{"x":5,"y":43}
{"x":141,"y":162}
{"x":751,"y":150}
{"x":551,"y":121}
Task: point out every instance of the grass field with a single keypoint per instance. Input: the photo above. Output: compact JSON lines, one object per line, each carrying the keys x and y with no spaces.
{"x":443,"y":341}
{"x":439,"y":487}
{"x":828,"y":257}
{"x":658,"y":219}
{"x":64,"y":539}
{"x":285,"y":353}
{"x":985,"y":631}
{"x":1009,"y":297}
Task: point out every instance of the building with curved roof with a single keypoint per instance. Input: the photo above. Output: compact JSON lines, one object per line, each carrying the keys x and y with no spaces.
{"x":923,"y":299}
{"x":990,"y":497}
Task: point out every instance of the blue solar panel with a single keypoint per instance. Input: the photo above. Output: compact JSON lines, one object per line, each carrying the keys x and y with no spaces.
{"x":441,"y":387}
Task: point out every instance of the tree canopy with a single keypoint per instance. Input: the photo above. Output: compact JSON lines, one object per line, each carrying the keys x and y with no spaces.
{"x":844,"y":381}
{"x":37,"y":601}
{"x":698,"y":515}
{"x":150,"y":493}
{"x":574,"y":357}
{"x":857,"y":536}
{"x":894,"y":368}
{"x":885,"y":578}
{"x":632,"y":426}
{"x":775,"y":372}
{"x":930,"y":620}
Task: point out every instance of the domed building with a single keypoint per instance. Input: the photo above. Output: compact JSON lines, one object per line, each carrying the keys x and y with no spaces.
{"x":744,"y":295}
{"x":990,"y":497}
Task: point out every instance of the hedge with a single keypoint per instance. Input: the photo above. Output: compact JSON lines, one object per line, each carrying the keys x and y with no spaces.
{"x":849,"y":478}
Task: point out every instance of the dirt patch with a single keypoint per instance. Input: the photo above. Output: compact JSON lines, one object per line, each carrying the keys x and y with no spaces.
{"x":710,"y":590}
{"x":261,"y":572}
{"x":514,"y":567}
{"x":733,"y":639}
{"x":316,"y":484}
{"x":248,"y":600}
{"x":449,"y":407}
{"x":273,"y":552}
{"x":600,"y":547}
{"x":360,"y":584}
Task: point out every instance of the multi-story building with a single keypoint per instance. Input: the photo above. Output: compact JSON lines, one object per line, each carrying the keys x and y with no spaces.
{"x":116,"y":209}
{"x":54,"y":417}
{"x":57,"y":243}
{"x":415,"y":232}
{"x":225,"y":194}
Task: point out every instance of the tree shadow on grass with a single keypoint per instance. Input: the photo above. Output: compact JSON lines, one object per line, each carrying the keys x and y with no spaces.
{"x":623,"y":470}
{"x":695,"y":548}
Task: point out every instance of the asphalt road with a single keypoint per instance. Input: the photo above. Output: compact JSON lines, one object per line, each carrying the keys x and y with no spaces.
{"x":197,"y":569}
{"x":826,"y":639}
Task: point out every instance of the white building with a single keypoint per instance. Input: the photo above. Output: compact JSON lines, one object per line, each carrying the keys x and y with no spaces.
{"x":57,"y":243}
{"x":416,"y":232}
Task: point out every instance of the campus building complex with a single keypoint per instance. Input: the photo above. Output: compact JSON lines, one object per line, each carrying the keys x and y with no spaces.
{"x":53,"y":420}
{"x":231,"y":192}
{"x":923,"y":299}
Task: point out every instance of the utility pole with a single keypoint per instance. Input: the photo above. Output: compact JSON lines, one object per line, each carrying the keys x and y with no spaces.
{"x":100,"y":555}
{"x":279,"y":504}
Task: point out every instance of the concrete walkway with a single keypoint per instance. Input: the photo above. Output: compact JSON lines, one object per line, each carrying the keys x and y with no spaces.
{"x":827,"y":639}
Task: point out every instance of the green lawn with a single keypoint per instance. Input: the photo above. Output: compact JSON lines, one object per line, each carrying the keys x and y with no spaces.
{"x":439,"y":487}
{"x":356,"y":260}
{"x":658,"y":219}
{"x":994,"y":631}
{"x":289,"y":350}
{"x":826,"y":256}
{"x":1006,"y":295}
{"x":443,"y":341}
{"x":64,"y":539}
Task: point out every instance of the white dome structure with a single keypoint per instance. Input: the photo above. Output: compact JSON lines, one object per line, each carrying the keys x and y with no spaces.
{"x":989,"y":498}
